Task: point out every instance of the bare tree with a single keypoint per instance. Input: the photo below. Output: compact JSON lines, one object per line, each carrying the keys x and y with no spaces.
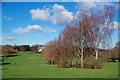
{"x":88,"y":33}
{"x":102,"y":24}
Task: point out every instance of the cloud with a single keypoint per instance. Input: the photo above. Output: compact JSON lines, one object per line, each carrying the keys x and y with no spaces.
{"x":32,"y":28}
{"x":57,"y":7}
{"x":116,"y":25}
{"x":57,"y":14}
{"x":89,"y":5}
{"x":95,"y":5}
{"x":49,"y":30}
{"x":0,"y":40}
{"x":7,"y":18}
{"x":61,"y":15}
{"x":7,"y":38}
{"x":40,"y":14}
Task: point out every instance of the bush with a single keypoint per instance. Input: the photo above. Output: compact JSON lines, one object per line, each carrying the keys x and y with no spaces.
{"x":7,"y":49}
{"x":92,"y":63}
{"x":114,"y":54}
{"x":34,"y":48}
{"x":104,"y":55}
{"x":64,"y":63}
{"x":22,"y":47}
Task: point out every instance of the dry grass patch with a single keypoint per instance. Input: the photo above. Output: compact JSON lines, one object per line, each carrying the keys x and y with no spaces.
{"x":30,"y":58}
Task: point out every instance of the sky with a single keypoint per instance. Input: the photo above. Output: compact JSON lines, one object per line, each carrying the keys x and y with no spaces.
{"x":40,"y":22}
{"x":60,"y":0}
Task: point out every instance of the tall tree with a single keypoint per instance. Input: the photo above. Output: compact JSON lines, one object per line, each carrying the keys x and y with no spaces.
{"x":102,"y":24}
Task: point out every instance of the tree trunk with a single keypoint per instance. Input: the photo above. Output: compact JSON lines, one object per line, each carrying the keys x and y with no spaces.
{"x":96,"y":54}
{"x":82,"y":64}
{"x":60,"y":62}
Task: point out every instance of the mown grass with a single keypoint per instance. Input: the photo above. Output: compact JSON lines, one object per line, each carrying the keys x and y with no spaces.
{"x":31,"y":65}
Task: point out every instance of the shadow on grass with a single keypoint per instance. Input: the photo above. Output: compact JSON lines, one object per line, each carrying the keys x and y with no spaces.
{"x":6,"y":56}
{"x":1,"y":60}
{"x":10,"y":55}
{"x":5,"y":63}
{"x":4,"y":69}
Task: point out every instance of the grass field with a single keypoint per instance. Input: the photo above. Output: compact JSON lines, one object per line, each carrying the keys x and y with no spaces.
{"x":31,"y":65}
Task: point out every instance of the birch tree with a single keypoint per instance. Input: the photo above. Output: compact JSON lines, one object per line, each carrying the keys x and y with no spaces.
{"x":103,"y":27}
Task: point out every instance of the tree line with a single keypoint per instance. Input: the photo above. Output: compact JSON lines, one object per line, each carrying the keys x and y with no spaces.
{"x":78,"y":44}
{"x":9,"y":49}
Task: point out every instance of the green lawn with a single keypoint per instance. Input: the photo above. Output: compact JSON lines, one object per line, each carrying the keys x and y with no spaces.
{"x":31,"y":65}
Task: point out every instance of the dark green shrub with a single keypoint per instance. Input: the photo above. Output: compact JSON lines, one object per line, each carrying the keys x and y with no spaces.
{"x":22,"y":47}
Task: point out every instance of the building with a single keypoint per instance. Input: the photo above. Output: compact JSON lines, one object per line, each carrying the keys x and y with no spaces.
{"x":40,"y":48}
